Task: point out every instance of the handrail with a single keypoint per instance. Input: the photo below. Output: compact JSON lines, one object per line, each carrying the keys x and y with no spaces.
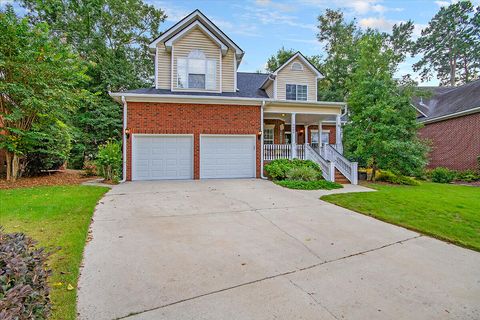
{"x":328,"y":168}
{"x":347,"y":168}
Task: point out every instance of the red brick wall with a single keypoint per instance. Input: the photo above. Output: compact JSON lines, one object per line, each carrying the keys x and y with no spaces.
{"x":455,"y":142}
{"x":196,"y":119}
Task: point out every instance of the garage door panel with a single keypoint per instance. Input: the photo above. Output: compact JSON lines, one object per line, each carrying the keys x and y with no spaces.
{"x":162,"y":157}
{"x":227,"y":156}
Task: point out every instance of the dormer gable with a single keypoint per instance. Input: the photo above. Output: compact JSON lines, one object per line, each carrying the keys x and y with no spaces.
{"x":195,"y":55}
{"x":296,"y":79}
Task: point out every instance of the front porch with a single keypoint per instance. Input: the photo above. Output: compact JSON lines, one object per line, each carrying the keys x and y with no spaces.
{"x":308,"y":132}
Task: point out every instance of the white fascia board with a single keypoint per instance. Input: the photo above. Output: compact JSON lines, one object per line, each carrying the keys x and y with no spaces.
{"x":178,"y":36}
{"x":215,"y":99}
{"x":308,"y":63}
{"x":450,"y":116}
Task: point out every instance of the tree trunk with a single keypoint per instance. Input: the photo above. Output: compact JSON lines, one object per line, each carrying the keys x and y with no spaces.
{"x":453,"y":71}
{"x":8,"y":158}
{"x":13,"y":166}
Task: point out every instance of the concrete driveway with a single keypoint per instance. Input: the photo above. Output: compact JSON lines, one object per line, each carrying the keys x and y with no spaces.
{"x":248,"y":249}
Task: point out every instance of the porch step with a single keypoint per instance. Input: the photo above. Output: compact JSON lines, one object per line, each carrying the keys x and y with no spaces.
{"x":340,"y":178}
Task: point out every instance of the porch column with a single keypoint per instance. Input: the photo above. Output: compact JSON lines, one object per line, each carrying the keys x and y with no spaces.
{"x":338,"y":135}
{"x":319,"y":137}
{"x":293,"y":142}
{"x":306,"y":134}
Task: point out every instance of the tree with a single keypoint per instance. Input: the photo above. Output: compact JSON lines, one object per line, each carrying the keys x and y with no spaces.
{"x":382,"y":128}
{"x":339,"y":38}
{"x":278,"y":59}
{"x":449,"y":45}
{"x":113,"y":37}
{"x":39,"y":76}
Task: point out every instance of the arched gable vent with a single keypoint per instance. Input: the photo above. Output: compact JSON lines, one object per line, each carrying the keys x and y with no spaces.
{"x":297,"y":66}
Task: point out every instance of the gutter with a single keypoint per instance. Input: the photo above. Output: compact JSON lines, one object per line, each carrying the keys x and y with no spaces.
{"x":124,"y":137}
{"x":224,"y":98}
{"x":261,"y":141}
{"x":452,"y":115}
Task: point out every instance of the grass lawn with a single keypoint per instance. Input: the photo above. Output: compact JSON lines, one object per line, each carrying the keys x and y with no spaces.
{"x":58,"y":218}
{"x":444,"y":211}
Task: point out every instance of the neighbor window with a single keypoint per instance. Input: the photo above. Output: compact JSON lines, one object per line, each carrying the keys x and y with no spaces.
{"x":268,"y":135}
{"x":296,"y":92}
{"x":196,"y":72}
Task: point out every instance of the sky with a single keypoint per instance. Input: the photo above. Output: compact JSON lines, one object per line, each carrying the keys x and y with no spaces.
{"x":261,"y":27}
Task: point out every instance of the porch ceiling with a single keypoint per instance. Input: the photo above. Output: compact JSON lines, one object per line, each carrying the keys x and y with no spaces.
{"x":301,"y":118}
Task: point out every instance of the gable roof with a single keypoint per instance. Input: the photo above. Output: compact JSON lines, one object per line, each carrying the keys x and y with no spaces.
{"x":299,"y":55}
{"x":448,"y":102}
{"x":197,"y":15}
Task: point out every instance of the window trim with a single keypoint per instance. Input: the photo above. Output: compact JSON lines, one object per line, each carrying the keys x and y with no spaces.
{"x":296,"y":91}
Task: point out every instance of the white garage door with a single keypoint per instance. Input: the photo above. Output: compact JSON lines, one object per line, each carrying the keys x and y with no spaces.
{"x":227,"y":156}
{"x":156,"y":157}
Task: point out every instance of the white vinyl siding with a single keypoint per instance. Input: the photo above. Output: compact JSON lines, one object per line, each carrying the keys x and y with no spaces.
{"x":228,"y":72}
{"x":164,"y":71}
{"x":303,"y":77}
{"x":193,"y":40}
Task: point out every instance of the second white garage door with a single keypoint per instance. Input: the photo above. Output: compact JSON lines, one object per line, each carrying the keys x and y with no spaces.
{"x":224,"y":156}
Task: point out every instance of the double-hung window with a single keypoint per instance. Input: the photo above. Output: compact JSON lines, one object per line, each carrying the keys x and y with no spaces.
{"x":268,"y":135}
{"x":196,"y":72}
{"x":296,"y":92}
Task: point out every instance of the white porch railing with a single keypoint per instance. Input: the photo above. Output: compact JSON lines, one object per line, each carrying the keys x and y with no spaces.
{"x":328,"y":158}
{"x":277,"y":151}
{"x":328,"y":168}
{"x":347,"y":168}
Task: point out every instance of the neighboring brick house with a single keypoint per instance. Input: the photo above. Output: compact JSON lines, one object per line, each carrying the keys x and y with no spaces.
{"x":451,"y":118}
{"x":204,"y":119}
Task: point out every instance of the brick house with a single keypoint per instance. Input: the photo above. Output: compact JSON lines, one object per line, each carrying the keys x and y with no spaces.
{"x":204,"y":119}
{"x":451,"y":118}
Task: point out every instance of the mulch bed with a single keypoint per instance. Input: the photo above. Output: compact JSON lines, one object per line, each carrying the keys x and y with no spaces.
{"x":64,"y":177}
{"x":473,"y":183}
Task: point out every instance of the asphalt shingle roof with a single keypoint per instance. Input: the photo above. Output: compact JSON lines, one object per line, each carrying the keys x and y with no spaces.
{"x":248,"y":87}
{"x":448,"y":100}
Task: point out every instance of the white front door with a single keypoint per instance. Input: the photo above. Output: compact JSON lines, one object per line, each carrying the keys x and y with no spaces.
{"x":227,"y":156}
{"x":156,"y":157}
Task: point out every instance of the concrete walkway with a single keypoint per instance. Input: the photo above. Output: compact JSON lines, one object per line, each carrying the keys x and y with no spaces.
{"x":248,"y":249}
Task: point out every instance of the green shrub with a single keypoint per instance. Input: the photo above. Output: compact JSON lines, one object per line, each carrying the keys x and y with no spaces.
{"x":467,"y":175}
{"x":89,"y":168}
{"x":24,"y":292}
{"x":278,"y":169}
{"x":390,"y":177}
{"x":309,"y":185}
{"x":442,"y":175}
{"x":49,"y":146}
{"x":109,"y":160}
{"x":303,"y":174}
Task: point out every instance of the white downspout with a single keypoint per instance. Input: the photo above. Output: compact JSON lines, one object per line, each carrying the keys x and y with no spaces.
{"x":261,"y":141}
{"x":124,"y":137}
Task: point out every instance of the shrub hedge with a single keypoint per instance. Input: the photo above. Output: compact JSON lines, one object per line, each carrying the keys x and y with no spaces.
{"x":442,"y":175}
{"x":390,"y":177}
{"x":24,"y":292}
{"x":279,"y":169}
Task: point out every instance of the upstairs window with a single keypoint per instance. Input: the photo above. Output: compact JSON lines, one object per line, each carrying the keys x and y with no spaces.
{"x":196,"y":72}
{"x":296,"y":92}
